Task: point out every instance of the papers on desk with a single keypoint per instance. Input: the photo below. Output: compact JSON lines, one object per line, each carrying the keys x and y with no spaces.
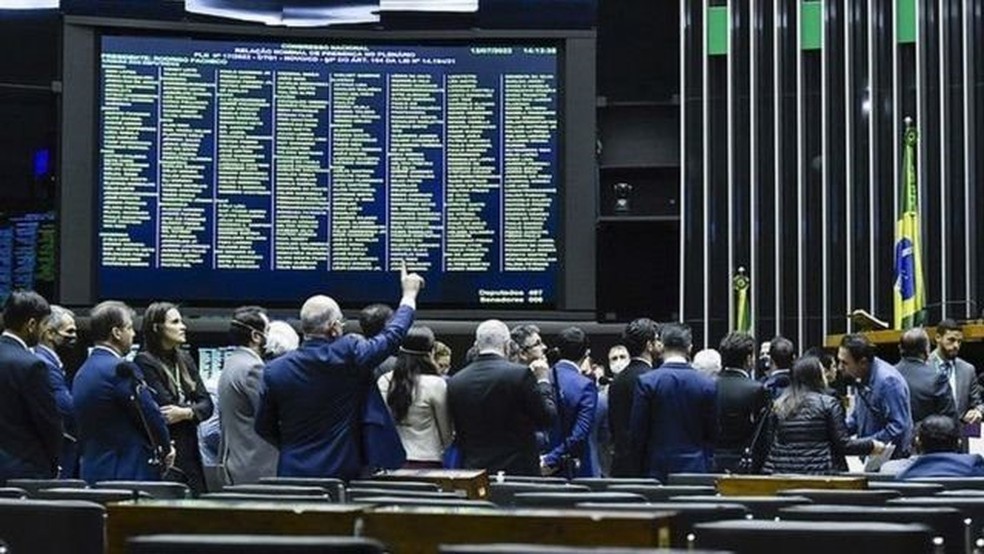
{"x":875,"y":461}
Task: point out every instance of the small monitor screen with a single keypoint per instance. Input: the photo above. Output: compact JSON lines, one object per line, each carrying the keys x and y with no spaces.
{"x":267,"y":171}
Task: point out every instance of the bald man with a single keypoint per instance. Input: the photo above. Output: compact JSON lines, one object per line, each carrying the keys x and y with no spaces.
{"x":311,"y":400}
{"x":929,"y":391}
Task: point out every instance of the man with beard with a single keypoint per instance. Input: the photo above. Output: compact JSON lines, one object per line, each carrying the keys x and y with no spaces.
{"x":958,"y":372}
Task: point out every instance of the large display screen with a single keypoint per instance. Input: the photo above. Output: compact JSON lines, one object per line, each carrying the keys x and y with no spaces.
{"x":270,"y":171}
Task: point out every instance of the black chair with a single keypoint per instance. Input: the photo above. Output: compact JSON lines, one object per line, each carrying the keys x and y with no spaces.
{"x":101,"y":496}
{"x":528,"y":479}
{"x":665,"y":492}
{"x":354,"y":495}
{"x":41,"y":526}
{"x":762,"y":507}
{"x":416,"y":501}
{"x":394,"y":485}
{"x":906,"y":488}
{"x":970,"y":507}
{"x":335,"y":487}
{"x":945,"y":522}
{"x":503,"y":493}
{"x":814,"y":537}
{"x":949,"y":483}
{"x":34,"y":485}
{"x":12,"y":492}
{"x":844,"y":497}
{"x":252,"y":497}
{"x":251,"y":544}
{"x":603,"y":483}
{"x":276,"y":490}
{"x":694,"y":479}
{"x":156,"y":489}
{"x":551,"y":549}
{"x":571,"y":499}
{"x":687,"y":515}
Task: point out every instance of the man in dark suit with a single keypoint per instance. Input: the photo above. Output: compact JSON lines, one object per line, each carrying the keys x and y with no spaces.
{"x":781,"y":355}
{"x":30,"y":427}
{"x":673,"y":426}
{"x":497,"y":406}
{"x":312,"y":398}
{"x":641,"y":339}
{"x":577,"y":400}
{"x":929,"y":391}
{"x":59,"y":333}
{"x":961,"y":375}
{"x":372,"y":320}
{"x":122,"y":434}
{"x":938,"y":444}
{"x":741,"y":401}
{"x":245,"y":456}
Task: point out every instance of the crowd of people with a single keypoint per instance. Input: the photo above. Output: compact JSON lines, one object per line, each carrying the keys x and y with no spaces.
{"x":322,"y":406}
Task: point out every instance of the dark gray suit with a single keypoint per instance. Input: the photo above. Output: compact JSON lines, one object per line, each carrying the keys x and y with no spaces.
{"x":967,"y":391}
{"x":245,"y":455}
{"x":929,"y":391}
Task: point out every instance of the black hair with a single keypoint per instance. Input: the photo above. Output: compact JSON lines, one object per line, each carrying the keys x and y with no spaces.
{"x":914,"y":343}
{"x":521,"y":333}
{"x":827,"y":359}
{"x":245,"y":321}
{"x":859,"y":346}
{"x":735,"y":348}
{"x":22,"y":306}
{"x":805,"y":377}
{"x":638,"y":333}
{"x":153,"y":341}
{"x":947,"y":325}
{"x":373,"y":319}
{"x":782,"y":352}
{"x":676,"y":336}
{"x":938,"y":433}
{"x":572,"y":344}
{"x":412,"y":361}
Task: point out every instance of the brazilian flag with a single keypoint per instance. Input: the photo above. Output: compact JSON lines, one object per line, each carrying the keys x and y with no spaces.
{"x":743,"y":317}
{"x":909,"y":290}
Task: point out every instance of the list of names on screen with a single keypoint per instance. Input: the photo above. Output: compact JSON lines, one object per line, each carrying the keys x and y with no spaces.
{"x":272,"y":170}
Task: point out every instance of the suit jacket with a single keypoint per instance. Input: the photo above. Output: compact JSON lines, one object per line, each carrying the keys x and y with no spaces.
{"x":312,"y":398}
{"x":496,"y":407}
{"x":673,"y":425}
{"x":619,"y":409}
{"x":777,"y":382}
{"x":245,"y":456}
{"x":967,"y":392}
{"x":184,"y":433}
{"x":110,"y":410}
{"x":929,"y":390}
{"x":68,"y":456}
{"x":740,"y":403}
{"x":30,"y":427}
{"x":944,"y":464}
{"x":577,"y":401}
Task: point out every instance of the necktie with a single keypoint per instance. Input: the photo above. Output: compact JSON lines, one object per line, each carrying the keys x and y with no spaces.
{"x":947,"y":369}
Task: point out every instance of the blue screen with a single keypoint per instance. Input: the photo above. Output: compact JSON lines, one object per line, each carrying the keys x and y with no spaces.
{"x":267,"y":172}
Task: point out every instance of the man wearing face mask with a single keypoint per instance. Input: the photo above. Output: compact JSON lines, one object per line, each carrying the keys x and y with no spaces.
{"x":59,"y":335}
{"x":245,"y":456}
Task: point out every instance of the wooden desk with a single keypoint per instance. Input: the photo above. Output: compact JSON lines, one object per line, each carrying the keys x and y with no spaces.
{"x":475,"y":482}
{"x":766,"y":485}
{"x":972,"y":332}
{"x":420,"y":530}
{"x":129,"y":519}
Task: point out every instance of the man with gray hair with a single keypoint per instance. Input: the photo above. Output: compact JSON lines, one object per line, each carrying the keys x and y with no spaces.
{"x":497,"y":406}
{"x":312,"y":398}
{"x":58,"y":336}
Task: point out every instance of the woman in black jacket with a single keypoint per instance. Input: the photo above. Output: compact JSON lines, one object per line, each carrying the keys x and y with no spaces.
{"x":178,"y":388}
{"x":809,"y":429}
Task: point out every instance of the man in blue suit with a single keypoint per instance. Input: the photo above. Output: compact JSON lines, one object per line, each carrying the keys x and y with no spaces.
{"x":58,"y":332}
{"x":30,"y":427}
{"x":312,"y":398}
{"x":577,"y":399}
{"x":122,"y":434}
{"x":673,"y":426}
{"x":938,"y":443}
